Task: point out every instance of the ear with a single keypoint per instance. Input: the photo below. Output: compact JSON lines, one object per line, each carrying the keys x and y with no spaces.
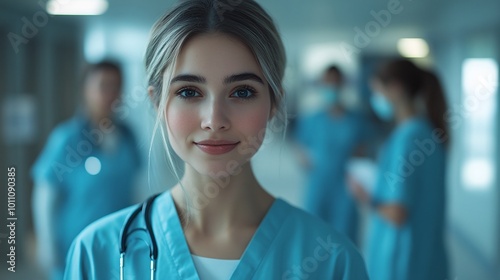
{"x":273,"y":112}
{"x":151,"y":91}
{"x":274,"y":108}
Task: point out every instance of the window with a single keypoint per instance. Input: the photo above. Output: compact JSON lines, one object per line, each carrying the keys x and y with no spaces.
{"x":479,"y":106}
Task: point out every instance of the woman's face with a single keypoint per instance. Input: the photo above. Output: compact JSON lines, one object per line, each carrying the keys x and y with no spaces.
{"x":218,"y":104}
{"x":378,"y":87}
{"x":382,"y":100}
{"x":392,"y":91}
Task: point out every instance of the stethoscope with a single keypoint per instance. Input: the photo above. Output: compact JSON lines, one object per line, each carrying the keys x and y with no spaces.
{"x":145,"y":208}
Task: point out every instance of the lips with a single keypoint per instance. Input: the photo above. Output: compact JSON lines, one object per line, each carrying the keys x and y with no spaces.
{"x":216,"y":147}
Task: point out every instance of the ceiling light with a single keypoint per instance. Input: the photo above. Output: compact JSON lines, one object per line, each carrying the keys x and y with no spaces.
{"x":77,"y":7}
{"x":413,"y":47}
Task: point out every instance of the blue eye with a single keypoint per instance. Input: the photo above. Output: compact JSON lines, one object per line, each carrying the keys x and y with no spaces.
{"x":188,"y":93}
{"x":244,"y":93}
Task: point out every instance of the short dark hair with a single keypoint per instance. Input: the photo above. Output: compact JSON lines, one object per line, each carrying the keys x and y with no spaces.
{"x":102,"y":65}
{"x":336,"y":69}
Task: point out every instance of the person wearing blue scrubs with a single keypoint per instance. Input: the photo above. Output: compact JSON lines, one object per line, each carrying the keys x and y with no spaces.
{"x":85,"y":171}
{"x":215,"y":74}
{"x":406,"y":234}
{"x":327,"y":139}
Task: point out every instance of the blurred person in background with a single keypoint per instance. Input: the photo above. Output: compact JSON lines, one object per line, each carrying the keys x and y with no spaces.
{"x":405,"y":238}
{"x":327,"y":140}
{"x":86,"y":169}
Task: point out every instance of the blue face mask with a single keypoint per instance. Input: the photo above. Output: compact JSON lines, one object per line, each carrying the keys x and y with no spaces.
{"x":382,"y":107}
{"x":329,"y":95}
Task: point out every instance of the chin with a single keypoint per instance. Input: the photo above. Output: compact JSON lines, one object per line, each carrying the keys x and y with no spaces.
{"x":218,"y":168}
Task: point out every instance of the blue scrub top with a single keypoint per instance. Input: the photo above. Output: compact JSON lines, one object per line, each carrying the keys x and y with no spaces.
{"x":330,"y":142}
{"x":85,"y":197}
{"x":412,"y":173}
{"x":288,"y":244}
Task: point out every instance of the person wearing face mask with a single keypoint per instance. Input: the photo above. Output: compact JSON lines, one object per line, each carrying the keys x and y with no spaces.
{"x":326,"y":141}
{"x":405,"y":238}
{"x":85,"y":171}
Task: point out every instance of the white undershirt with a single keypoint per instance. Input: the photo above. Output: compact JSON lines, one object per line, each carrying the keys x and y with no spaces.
{"x":214,"y":269}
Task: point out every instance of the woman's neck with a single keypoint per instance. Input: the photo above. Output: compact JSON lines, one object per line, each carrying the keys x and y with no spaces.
{"x":219,"y":204}
{"x":404,"y":111}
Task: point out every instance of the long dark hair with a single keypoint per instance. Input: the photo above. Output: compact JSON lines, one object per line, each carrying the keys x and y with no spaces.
{"x":418,"y":83}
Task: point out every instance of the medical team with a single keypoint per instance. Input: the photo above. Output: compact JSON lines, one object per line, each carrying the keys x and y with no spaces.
{"x":215,"y":84}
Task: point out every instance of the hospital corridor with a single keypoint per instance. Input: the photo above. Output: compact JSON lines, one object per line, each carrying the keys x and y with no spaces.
{"x":250,"y":139}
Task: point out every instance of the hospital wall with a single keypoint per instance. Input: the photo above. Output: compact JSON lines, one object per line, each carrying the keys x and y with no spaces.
{"x":38,"y":79}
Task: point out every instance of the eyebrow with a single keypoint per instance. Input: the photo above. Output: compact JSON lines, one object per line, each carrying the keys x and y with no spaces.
{"x":227,"y":80}
{"x":188,"y":78}
{"x":243,"y":77}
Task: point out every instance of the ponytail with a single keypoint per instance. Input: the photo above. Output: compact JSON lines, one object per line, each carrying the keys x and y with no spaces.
{"x":435,"y":102}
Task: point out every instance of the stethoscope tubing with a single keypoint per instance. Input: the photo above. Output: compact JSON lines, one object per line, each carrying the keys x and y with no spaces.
{"x":145,"y":208}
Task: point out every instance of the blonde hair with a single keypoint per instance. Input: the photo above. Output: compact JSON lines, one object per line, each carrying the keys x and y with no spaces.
{"x":245,"y":20}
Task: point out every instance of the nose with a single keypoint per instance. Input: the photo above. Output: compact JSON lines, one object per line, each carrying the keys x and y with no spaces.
{"x":215,"y":116}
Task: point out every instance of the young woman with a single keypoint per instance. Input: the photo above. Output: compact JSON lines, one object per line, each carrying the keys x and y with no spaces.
{"x":215,"y":74}
{"x":407,"y":224}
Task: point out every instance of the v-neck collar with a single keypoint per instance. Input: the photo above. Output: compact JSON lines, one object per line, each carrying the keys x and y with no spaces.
{"x":173,"y":239}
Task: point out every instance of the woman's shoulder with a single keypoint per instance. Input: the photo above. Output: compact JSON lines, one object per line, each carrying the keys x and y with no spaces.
{"x":415,"y":127}
{"x":105,"y":230}
{"x":415,"y":133}
{"x":305,"y":238}
{"x":96,"y":249}
{"x":303,"y":224}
